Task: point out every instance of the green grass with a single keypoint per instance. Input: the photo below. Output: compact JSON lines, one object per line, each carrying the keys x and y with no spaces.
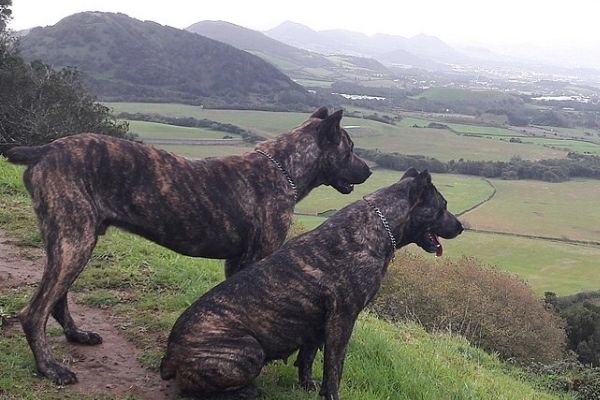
{"x":384,"y":361}
{"x":441,"y":144}
{"x":147,"y":129}
{"x":561,"y":210}
{"x":546,"y":265}
{"x":466,"y":129}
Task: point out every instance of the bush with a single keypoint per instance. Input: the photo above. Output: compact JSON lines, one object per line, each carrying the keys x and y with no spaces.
{"x":492,"y":309}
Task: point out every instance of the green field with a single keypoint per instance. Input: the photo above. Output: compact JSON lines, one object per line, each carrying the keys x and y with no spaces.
{"x":560,"y":210}
{"x":578,"y":146}
{"x":203,"y":151}
{"x":147,"y":129}
{"x":264,"y":122}
{"x":441,"y":144}
{"x":562,"y":268}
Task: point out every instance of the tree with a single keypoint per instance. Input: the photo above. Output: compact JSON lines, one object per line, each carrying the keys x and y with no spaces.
{"x":39,"y":104}
{"x":5,"y":13}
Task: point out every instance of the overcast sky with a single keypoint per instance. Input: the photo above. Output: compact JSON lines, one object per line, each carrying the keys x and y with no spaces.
{"x":455,"y":21}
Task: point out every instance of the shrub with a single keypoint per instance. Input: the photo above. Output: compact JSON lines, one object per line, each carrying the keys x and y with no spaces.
{"x":492,"y":309}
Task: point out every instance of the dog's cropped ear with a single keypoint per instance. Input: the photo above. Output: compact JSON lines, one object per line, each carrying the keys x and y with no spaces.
{"x":321,"y":113}
{"x":329,"y":129}
{"x":410,"y":173}
{"x":419,"y":185}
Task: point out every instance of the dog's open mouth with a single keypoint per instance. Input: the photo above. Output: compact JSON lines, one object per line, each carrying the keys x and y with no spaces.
{"x":343,"y":186}
{"x":431,"y":244}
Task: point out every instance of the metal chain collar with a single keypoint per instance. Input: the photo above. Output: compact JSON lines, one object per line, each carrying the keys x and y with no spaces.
{"x":385,"y":225}
{"x":283,"y":171}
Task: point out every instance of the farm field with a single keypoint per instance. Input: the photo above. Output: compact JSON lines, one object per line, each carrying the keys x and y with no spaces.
{"x":562,"y":268}
{"x":147,"y":129}
{"x":561,"y":210}
{"x":438,"y":143}
{"x":579,"y":146}
{"x":205,"y":151}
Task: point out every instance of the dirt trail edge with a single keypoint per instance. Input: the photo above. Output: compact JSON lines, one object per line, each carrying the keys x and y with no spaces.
{"x":110,"y":369}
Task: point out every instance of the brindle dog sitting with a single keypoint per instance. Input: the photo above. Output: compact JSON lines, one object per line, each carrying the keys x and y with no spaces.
{"x":237,"y":208}
{"x":305,"y":295}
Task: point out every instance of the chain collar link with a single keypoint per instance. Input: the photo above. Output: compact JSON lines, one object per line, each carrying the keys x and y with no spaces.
{"x":283,"y":171}
{"x":385,"y":225}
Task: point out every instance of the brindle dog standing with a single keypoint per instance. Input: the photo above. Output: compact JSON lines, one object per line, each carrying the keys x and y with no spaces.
{"x":305,"y":295}
{"x":237,"y":208}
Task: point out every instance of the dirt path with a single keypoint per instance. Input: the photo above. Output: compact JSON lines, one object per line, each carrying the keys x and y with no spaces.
{"x":110,"y":368}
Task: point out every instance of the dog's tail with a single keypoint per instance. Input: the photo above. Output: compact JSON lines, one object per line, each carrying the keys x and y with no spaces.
{"x":167,"y":368}
{"x":26,"y":155}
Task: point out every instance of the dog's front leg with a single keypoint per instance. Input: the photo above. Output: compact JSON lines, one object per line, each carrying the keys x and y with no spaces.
{"x":338,"y":329}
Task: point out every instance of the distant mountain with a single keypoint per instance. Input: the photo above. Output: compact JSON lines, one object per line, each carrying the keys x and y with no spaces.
{"x":258,"y":43}
{"x":301,"y":36}
{"x":296,"y":62}
{"x":127,"y":59}
{"x":419,"y":49}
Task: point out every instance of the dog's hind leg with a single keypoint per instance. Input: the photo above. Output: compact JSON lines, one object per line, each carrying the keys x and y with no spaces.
{"x":73,"y":334}
{"x":304,"y":362}
{"x":70,"y":238}
{"x":223,"y":368}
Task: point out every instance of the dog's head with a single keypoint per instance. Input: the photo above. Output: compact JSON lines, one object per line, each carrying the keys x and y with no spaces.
{"x":429,"y":218}
{"x":340,"y":167}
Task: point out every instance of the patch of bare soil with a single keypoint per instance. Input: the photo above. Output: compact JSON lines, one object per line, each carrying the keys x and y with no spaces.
{"x":110,"y":369}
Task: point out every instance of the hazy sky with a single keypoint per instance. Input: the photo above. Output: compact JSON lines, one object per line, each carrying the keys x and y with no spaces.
{"x":456,"y":21}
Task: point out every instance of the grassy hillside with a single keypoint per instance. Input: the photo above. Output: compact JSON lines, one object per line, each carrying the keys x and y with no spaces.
{"x":122,"y":57}
{"x":149,"y":286}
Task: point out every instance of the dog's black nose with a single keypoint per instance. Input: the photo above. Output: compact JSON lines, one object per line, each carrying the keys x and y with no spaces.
{"x":461,"y":228}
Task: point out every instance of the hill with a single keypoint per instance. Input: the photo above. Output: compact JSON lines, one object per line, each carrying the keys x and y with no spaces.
{"x":141,"y":288}
{"x":126,"y":59}
{"x":295,"y":62}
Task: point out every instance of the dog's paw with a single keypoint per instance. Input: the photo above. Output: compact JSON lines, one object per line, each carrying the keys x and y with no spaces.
{"x":84,"y":337}
{"x":310,"y":384}
{"x":58,"y":373}
{"x":329,"y":396}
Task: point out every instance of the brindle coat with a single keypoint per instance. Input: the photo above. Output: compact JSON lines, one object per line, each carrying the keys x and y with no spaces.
{"x":305,"y":295}
{"x":237,"y":208}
